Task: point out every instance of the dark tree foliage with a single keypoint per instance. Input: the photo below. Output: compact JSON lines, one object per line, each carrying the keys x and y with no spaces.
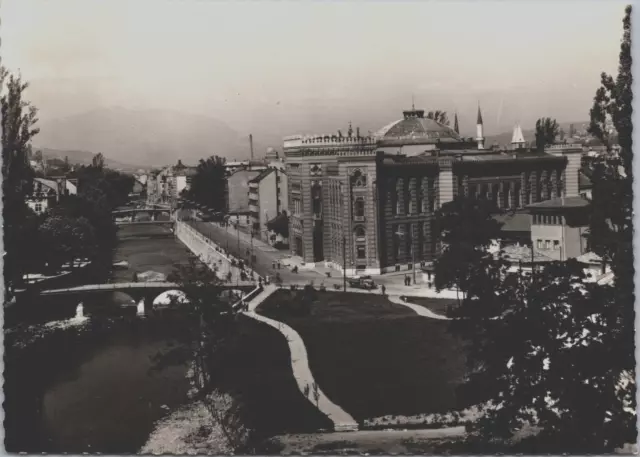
{"x":467,"y":229}
{"x":212,"y":332}
{"x":611,"y":225}
{"x":547,"y":130}
{"x":280,"y":224}
{"x":208,"y":184}
{"x":548,"y":352}
{"x":19,"y":118}
{"x":438,"y":116}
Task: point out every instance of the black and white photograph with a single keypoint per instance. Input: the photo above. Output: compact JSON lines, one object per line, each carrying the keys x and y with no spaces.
{"x":318,"y":228}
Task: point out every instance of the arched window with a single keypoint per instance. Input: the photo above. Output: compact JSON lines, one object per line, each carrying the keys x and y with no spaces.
{"x":358,"y":179}
{"x":399,"y":196}
{"x":359,"y":207}
{"x":360,"y":232}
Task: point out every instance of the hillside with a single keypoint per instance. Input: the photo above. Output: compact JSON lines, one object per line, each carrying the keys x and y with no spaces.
{"x":146,"y":137}
{"x":84,"y":158}
{"x":504,"y":138}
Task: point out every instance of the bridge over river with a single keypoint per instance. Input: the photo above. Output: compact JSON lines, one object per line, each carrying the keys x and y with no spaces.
{"x":144,"y":294}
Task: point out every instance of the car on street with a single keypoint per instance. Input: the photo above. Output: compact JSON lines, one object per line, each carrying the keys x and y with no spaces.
{"x":362,"y":282}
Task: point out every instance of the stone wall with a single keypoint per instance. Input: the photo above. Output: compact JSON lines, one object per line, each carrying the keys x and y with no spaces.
{"x":209,"y":253}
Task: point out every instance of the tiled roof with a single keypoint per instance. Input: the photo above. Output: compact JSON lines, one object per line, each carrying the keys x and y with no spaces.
{"x":589,"y":257}
{"x":514,"y":222}
{"x":263,"y":174}
{"x":516,"y":253}
{"x":47,"y":182}
{"x":562,"y":202}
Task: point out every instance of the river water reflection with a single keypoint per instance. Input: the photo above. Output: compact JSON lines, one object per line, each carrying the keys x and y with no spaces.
{"x":97,"y":390}
{"x":99,"y":386}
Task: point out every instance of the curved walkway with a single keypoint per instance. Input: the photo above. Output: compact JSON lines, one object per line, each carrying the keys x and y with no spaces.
{"x":420,"y":310}
{"x":342,"y":421}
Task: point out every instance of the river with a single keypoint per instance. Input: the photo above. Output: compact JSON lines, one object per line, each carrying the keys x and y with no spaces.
{"x":99,"y":385}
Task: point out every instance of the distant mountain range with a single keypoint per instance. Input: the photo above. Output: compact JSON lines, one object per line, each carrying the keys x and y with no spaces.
{"x":132,"y":139}
{"x":85,"y":157}
{"x":146,"y":137}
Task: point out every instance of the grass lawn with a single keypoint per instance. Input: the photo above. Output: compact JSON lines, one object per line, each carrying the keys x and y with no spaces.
{"x":437,"y":305}
{"x":373,"y":357}
{"x":258,"y":369}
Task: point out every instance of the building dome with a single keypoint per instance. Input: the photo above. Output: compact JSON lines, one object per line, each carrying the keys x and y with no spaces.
{"x":416,"y":128}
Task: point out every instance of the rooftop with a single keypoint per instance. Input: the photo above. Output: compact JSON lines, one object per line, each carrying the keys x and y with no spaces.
{"x":514,"y":222}
{"x":263,"y":174}
{"x":414,"y":126}
{"x":561,"y":202}
{"x":520,"y":253}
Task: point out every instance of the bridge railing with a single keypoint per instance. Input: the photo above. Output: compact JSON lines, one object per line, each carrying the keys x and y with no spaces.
{"x":251,"y":295}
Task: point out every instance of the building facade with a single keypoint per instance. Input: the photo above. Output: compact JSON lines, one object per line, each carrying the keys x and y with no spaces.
{"x":165,"y":186}
{"x":367,"y":204}
{"x":47,"y":192}
{"x":267,"y":199}
{"x":559,"y":227}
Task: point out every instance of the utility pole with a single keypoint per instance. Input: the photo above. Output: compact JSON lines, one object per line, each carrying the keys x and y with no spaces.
{"x":252,"y":248}
{"x":413,"y":260}
{"x":344,"y":261}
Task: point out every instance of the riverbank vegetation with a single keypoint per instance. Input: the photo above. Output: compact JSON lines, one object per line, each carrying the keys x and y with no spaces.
{"x":241,"y":361}
{"x":77,"y":227}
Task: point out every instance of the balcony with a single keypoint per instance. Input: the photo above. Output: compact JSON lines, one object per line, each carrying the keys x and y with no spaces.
{"x":254,"y":208}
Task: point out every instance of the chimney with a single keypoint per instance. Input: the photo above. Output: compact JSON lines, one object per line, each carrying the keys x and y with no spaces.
{"x":251,"y":145}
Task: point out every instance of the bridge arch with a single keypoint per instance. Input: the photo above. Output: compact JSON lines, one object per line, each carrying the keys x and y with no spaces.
{"x":171,"y":296}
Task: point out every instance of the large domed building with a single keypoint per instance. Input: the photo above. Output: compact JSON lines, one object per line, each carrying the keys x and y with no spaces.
{"x":374,"y":197}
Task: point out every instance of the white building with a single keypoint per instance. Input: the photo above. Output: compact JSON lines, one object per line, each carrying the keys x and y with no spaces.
{"x":47,"y":192}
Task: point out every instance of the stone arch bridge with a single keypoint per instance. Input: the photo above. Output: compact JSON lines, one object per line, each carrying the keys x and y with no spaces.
{"x":129,"y":215}
{"x":142,"y":293}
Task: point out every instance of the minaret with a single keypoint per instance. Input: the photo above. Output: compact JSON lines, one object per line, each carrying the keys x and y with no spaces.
{"x":480,"y":130}
{"x":517,"y":140}
{"x":455,"y":124}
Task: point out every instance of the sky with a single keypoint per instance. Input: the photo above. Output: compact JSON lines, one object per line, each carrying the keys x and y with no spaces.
{"x":288,"y":67}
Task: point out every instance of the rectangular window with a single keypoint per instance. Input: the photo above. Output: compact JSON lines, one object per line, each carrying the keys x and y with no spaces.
{"x":556,"y":245}
{"x":539,"y":244}
{"x":547,"y":244}
{"x":361,"y":252}
{"x":38,"y":207}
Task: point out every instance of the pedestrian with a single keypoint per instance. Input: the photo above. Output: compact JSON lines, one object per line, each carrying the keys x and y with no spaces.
{"x":384,"y":289}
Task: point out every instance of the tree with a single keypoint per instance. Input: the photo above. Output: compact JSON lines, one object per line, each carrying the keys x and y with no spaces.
{"x":467,"y":229}
{"x":19,"y":120}
{"x":280,"y":224}
{"x":208,"y":184}
{"x":611,"y":225}
{"x":547,"y":130}
{"x":98,"y":161}
{"x":66,"y":239}
{"x":439,"y":116}
{"x":552,"y":350}
{"x":211,"y":329}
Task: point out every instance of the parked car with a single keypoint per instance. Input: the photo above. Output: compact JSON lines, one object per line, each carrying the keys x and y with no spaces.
{"x":362,"y":282}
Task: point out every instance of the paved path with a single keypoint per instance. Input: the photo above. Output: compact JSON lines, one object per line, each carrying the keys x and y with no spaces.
{"x":420,"y":310}
{"x":342,"y":421}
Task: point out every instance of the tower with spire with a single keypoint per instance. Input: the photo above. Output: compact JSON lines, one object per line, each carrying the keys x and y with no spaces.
{"x":480,"y":130}
{"x":517,"y":140}
{"x":456,"y":128}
